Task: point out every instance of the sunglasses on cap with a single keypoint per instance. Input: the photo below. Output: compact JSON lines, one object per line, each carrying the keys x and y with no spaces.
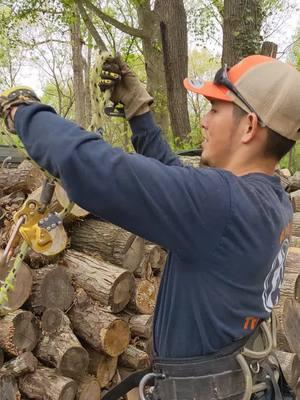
{"x":221,"y":78}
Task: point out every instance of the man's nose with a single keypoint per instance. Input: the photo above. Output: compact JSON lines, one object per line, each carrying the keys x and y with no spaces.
{"x":204,"y":122}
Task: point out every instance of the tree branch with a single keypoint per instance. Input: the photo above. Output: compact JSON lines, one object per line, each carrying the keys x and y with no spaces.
{"x":117,"y":24}
{"x":90,"y":26}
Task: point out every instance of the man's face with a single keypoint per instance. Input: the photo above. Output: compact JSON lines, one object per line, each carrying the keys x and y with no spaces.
{"x":220,"y":134}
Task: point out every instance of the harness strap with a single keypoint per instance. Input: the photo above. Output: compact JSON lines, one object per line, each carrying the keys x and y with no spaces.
{"x":131,"y":382}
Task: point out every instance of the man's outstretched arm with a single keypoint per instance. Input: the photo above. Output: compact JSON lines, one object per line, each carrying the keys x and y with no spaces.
{"x":179,"y":208}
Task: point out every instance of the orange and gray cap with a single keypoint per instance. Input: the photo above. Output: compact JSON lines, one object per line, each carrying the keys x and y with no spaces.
{"x":270,"y":86}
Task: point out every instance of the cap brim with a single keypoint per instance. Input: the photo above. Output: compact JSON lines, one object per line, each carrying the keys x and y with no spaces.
{"x":207,"y":89}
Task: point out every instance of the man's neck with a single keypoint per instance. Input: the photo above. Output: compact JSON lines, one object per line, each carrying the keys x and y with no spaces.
{"x":264,"y":166}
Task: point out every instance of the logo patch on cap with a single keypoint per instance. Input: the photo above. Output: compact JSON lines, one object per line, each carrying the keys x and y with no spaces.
{"x":196,"y":82}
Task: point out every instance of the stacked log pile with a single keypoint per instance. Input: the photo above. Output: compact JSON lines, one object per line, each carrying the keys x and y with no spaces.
{"x":81,"y":321}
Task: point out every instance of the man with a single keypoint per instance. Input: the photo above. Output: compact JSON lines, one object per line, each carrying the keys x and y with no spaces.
{"x":226,"y":227}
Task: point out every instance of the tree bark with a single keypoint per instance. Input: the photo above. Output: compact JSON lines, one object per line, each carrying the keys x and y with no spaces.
{"x":51,"y":288}
{"x":23,"y":364}
{"x":25,"y":178}
{"x":269,"y":49}
{"x":78,"y":69}
{"x":290,"y":365}
{"x":173,"y":25}
{"x":62,"y":349}
{"x":292,"y":262}
{"x":102,"y":366}
{"x":45,"y":383}
{"x":8,"y":387}
{"x":103,"y":331}
{"x":241,"y":30}
{"x":134,"y":358}
{"x":19,"y":332}
{"x":113,"y":243}
{"x":296,"y":224}
{"x":110,"y":285}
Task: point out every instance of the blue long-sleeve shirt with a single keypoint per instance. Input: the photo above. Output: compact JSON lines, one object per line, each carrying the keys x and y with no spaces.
{"x":227,"y":236}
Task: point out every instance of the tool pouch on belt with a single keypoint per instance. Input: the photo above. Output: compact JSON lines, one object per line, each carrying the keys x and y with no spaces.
{"x":199,"y":379}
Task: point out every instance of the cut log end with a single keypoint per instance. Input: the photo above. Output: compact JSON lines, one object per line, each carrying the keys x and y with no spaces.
{"x":121,"y":292}
{"x":74,"y":362}
{"x":115,"y":338}
{"x":27,"y":331}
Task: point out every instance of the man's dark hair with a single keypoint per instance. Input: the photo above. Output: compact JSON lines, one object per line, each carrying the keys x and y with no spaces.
{"x":277,"y":146}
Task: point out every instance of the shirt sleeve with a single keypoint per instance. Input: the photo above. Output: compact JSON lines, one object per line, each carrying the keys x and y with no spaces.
{"x":147,"y":139}
{"x":181,"y":209}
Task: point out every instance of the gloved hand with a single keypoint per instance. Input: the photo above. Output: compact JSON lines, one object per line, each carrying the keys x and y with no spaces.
{"x":14,"y":97}
{"x":126,"y":87}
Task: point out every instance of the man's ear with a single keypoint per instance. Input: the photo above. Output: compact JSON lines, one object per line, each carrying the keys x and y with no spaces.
{"x":250,"y":128}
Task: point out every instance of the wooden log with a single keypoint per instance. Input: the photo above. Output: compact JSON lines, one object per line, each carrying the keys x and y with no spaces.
{"x":88,"y":389}
{"x":294,"y":182}
{"x":45,"y":383}
{"x":295,"y":198}
{"x":110,"y":285}
{"x":25,"y":178}
{"x":291,"y":286}
{"x":51,"y":288}
{"x":124,"y":373}
{"x":141,"y":325}
{"x":134,"y":358}
{"x":191,"y":161}
{"x":102,"y":366}
{"x":145,"y":345}
{"x":114,"y":244}
{"x":288,"y":326}
{"x":8,"y":387}
{"x":290,"y":365}
{"x":1,"y":357}
{"x":22,"y":285}
{"x":292,"y":263}
{"x":153,"y":260}
{"x":295,"y":242}
{"x":19,"y":332}
{"x":102,"y":330}
{"x":144,"y":296}
{"x":23,"y":364}
{"x":61,"y":348}
{"x":37,"y":260}
{"x":296,"y":224}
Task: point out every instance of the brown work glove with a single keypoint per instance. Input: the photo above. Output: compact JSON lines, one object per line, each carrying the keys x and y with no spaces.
{"x":125,"y":86}
{"x":15,"y":97}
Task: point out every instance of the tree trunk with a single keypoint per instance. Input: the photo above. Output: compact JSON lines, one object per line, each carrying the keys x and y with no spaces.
{"x":110,"y":285}
{"x":103,"y":331}
{"x":62,"y":349}
{"x":292,"y":263}
{"x":241,"y":30}
{"x":19,"y":332}
{"x":173,"y":24}
{"x":78,"y":70}
{"x":269,"y":49}
{"x":45,"y":383}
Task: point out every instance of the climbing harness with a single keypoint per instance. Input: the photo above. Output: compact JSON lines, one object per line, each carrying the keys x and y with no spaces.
{"x":41,"y":230}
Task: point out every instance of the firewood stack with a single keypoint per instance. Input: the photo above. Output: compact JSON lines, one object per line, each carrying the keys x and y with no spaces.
{"x":80,"y":322}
